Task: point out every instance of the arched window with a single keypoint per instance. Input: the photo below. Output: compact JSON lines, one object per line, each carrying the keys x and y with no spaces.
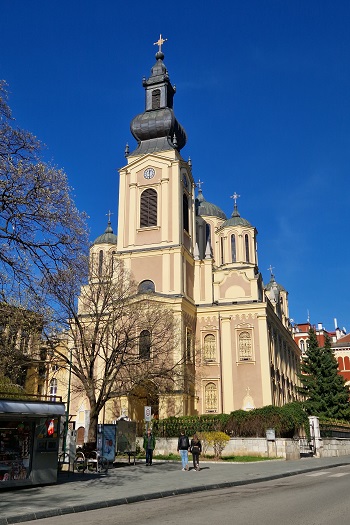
{"x":146,"y":286}
{"x":185,"y":212}
{"x":148,"y":208}
{"x":209,"y":353}
{"x":302,"y":345}
{"x":189,"y":345}
{"x":100,"y":263}
{"x":245,"y":346}
{"x":145,"y":345}
{"x":222,"y":250}
{"x":233,"y":248}
{"x":211,"y":398}
{"x":156,"y":99}
{"x":246,"y":241}
{"x":53,"y":387}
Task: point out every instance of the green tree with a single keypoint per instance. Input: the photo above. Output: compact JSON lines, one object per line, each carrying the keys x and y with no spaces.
{"x":323,"y":387}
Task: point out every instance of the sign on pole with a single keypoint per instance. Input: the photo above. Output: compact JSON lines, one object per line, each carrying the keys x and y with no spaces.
{"x":148,"y":413}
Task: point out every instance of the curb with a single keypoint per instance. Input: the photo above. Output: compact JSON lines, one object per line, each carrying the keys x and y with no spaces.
{"x":156,"y":495}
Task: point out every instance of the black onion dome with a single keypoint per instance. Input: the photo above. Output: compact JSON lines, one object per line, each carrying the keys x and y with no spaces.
{"x":108,"y":237}
{"x":205,"y":208}
{"x":157,"y":129}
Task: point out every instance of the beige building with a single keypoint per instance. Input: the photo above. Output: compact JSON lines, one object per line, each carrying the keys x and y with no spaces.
{"x":236,"y":335}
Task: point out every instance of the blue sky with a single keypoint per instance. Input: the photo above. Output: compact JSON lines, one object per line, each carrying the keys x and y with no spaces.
{"x":262,"y":86}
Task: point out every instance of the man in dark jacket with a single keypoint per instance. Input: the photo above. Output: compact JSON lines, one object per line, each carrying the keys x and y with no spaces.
{"x":183,"y":446}
{"x":149,"y":443}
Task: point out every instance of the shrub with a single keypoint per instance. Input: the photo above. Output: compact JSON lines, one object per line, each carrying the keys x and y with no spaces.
{"x":218,"y":440}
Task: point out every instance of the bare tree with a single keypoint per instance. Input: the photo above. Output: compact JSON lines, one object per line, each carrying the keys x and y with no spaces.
{"x":119,"y":340}
{"x":41,"y":230}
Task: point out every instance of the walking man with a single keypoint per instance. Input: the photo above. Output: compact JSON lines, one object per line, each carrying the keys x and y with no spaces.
{"x":183,"y":446}
{"x":149,"y":443}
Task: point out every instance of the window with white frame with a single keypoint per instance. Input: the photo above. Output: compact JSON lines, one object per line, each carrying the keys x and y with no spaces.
{"x":211,"y":397}
{"x":209,"y":351}
{"x":245,"y":346}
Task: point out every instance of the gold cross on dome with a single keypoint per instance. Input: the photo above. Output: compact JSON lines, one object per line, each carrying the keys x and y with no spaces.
{"x":160,"y":42}
{"x":234,"y":197}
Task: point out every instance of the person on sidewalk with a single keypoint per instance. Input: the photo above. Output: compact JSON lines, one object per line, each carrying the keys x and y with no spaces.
{"x":149,"y":443}
{"x":183,"y":446}
{"x":195,"y":449}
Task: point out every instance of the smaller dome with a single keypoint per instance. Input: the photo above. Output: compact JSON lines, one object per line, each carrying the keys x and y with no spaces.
{"x":207,"y":208}
{"x":235,"y":220}
{"x":273,"y":282}
{"x":108,"y":237}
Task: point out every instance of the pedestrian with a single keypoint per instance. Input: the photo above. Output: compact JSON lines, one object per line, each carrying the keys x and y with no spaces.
{"x":183,"y":446}
{"x":149,"y":444}
{"x":196,"y":449}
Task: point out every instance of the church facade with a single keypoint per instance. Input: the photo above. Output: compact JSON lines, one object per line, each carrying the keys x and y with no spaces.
{"x":183,"y":251}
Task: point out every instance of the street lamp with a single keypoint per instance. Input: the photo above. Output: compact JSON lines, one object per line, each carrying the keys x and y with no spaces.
{"x":68,"y":403}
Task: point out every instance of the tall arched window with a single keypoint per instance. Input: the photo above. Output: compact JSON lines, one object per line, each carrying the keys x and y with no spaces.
{"x":53,"y":387}
{"x":209,"y":353}
{"x":145,"y":345}
{"x":100,"y":263}
{"x":211,"y":398}
{"x":246,"y":241}
{"x":156,"y":99}
{"x":233,"y":248}
{"x":185,"y":212}
{"x":245,"y":346}
{"x":148,"y":208}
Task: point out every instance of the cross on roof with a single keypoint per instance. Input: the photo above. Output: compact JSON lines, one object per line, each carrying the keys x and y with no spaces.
{"x":160,"y":42}
{"x":199,"y":184}
{"x":109,"y":215}
{"x":235,"y":197}
{"x":271,"y":268}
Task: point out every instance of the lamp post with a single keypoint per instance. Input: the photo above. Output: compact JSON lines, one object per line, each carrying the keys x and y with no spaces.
{"x":68,"y":403}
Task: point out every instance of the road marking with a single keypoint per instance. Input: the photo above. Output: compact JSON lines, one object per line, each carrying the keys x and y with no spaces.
{"x":314,"y":474}
{"x":339,"y":475}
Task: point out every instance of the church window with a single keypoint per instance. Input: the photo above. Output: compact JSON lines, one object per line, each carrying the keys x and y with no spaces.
{"x":148,"y":208}
{"x":185,"y":212}
{"x":145,"y":345}
{"x":211,"y":398}
{"x":209,"y":347}
{"x":100,"y":263}
{"x":207,"y":233}
{"x":146,"y":286}
{"x":302,"y":346}
{"x":245,"y":346}
{"x":246,"y":241}
{"x":233,"y":248}
{"x":53,"y":387}
{"x":189,"y":345}
{"x":156,"y":99}
{"x":222,"y":250}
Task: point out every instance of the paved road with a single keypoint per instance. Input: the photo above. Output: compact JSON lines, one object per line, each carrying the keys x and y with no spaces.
{"x":315,"y":498}
{"x":129,"y":484}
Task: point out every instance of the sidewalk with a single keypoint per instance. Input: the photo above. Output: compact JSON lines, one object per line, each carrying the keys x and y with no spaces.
{"x":129,"y":483}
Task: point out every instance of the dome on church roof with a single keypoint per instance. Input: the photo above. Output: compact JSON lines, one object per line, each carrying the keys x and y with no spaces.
{"x":207,"y":208}
{"x":273,"y":282}
{"x":235,"y":220}
{"x":108,"y":237}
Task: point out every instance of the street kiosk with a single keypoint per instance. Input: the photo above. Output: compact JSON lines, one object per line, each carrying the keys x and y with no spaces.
{"x":29,"y":441}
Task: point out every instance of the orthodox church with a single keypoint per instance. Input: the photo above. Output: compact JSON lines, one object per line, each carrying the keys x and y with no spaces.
{"x":184,"y":251}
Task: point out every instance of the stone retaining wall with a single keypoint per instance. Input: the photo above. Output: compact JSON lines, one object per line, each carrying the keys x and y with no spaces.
{"x":280,"y":448}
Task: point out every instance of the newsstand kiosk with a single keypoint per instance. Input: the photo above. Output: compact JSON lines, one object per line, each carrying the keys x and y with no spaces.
{"x":29,"y":442}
